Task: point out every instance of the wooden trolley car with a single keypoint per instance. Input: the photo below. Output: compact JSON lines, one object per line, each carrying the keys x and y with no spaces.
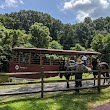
{"x":33,"y":59}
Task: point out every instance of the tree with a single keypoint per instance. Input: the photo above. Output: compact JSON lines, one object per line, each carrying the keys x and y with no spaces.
{"x":20,"y":38}
{"x":24,"y":19}
{"x":106,"y":49}
{"x":97,"y":42}
{"x":55,"y":45}
{"x":40,"y":35}
{"x":68,"y":37}
{"x":84,"y":32}
{"x":99,"y":24}
{"x":7,"y":21}
{"x":78,"y":47}
{"x":106,"y":41}
{"x":9,"y":39}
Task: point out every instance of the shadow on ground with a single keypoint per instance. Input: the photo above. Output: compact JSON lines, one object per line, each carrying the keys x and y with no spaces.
{"x":54,"y":101}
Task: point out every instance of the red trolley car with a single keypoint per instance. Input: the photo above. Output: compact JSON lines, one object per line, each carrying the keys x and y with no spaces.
{"x":33,"y":59}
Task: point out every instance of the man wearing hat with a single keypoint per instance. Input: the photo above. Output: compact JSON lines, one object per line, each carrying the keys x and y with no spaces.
{"x":80,"y":68}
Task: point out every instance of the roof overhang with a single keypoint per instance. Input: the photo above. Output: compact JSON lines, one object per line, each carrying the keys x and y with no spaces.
{"x":55,"y":51}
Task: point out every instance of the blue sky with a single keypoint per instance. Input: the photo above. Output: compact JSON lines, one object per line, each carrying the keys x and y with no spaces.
{"x":51,"y":7}
{"x":68,"y":11}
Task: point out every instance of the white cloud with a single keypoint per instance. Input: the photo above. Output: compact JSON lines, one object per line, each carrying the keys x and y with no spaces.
{"x":21,"y":2}
{"x":88,"y":8}
{"x":11,"y":3}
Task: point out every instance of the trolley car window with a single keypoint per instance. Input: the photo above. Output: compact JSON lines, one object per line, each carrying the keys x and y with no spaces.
{"x":35,"y":58}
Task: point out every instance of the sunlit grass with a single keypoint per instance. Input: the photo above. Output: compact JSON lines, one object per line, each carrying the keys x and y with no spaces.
{"x":57,"y":101}
{"x":4,"y":78}
{"x":55,"y":78}
{"x":84,"y":100}
{"x":84,"y":75}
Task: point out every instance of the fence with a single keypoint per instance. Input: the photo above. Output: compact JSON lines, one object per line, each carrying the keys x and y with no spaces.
{"x":42,"y":82}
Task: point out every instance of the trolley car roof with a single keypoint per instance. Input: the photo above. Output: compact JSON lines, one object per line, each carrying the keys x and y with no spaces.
{"x":55,"y":51}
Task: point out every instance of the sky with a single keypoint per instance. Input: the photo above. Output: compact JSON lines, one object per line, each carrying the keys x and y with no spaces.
{"x":67,"y":11}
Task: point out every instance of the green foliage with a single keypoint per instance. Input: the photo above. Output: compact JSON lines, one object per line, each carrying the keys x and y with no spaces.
{"x":97,"y":42}
{"x":106,"y":41}
{"x":7,"y":21}
{"x":90,"y":49}
{"x":78,"y":47}
{"x":9,"y":39}
{"x":25,"y":19}
{"x":102,"y":44}
{"x":55,"y":45}
{"x":84,"y":32}
{"x":40,"y":35}
{"x":106,"y":49}
{"x":68,"y":37}
{"x":99,"y":23}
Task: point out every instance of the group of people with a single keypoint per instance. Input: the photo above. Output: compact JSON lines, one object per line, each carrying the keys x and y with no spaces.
{"x":80,"y":67}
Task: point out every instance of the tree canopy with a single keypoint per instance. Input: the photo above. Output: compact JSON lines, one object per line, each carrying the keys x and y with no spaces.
{"x":40,"y":35}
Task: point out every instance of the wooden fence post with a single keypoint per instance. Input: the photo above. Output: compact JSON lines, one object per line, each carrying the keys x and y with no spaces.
{"x":42,"y":83}
{"x":99,"y":80}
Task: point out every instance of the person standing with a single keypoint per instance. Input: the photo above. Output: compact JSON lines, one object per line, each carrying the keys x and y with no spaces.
{"x":84,"y":59}
{"x":80,"y":68}
{"x":23,"y":59}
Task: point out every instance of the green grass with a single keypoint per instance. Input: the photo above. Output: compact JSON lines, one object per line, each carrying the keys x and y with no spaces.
{"x":84,"y":100}
{"x":85,"y":75}
{"x":55,"y":78}
{"x":4,"y":78}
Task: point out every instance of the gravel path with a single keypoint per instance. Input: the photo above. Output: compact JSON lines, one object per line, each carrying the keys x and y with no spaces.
{"x":37,"y":87}
{"x":102,"y":107}
{"x":47,"y":87}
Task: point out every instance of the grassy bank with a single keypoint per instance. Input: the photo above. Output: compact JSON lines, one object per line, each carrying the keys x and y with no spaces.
{"x":57,"y":101}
